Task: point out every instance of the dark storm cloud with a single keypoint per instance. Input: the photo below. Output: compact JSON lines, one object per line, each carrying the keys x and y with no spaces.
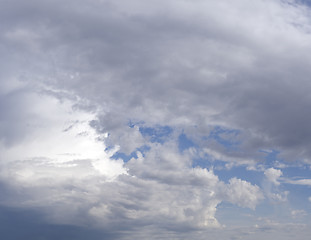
{"x":18,"y":224}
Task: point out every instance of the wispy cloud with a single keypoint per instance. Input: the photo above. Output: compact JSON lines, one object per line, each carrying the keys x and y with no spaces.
{"x":306,"y":182}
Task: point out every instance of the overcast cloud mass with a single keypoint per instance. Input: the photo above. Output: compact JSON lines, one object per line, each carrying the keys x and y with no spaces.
{"x":169,"y":119}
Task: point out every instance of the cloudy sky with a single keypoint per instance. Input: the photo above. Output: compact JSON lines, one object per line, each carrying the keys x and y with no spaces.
{"x":158,"y":119}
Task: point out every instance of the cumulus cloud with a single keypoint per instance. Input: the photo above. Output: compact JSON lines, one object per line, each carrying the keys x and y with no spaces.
{"x":273,"y":175}
{"x":61,"y":163}
{"x":52,"y":132}
{"x":243,"y":193}
{"x":272,"y":185}
{"x":158,"y":188}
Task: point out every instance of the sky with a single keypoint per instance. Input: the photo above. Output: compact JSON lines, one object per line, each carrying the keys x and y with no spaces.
{"x":155,"y":119}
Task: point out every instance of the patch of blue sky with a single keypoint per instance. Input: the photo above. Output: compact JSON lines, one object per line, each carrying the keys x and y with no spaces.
{"x":233,"y":215}
{"x":126,"y":158}
{"x":109,"y":147}
{"x":185,"y":143}
{"x":297,"y":172}
{"x":305,"y":2}
{"x":158,"y":134}
{"x":299,"y":192}
{"x":281,"y":212}
{"x":204,"y":163}
{"x":294,"y":209}
{"x":224,"y":173}
{"x":298,"y":198}
{"x":132,"y":123}
{"x":226,"y":137}
{"x":270,"y":157}
{"x":219,"y":167}
{"x":241,"y":172}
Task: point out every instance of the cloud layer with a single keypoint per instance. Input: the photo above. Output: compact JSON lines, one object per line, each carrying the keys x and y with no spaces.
{"x":118,"y":114}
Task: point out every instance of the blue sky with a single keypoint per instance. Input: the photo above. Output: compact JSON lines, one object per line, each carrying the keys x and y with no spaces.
{"x":153,"y":119}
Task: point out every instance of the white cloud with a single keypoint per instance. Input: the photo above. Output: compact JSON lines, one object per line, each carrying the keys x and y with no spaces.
{"x":273,"y":175}
{"x":298,"y":213}
{"x":243,"y":193}
{"x":57,"y":138}
{"x":278,"y":196}
{"x":232,"y":161}
{"x":271,"y":186}
{"x":306,"y":182}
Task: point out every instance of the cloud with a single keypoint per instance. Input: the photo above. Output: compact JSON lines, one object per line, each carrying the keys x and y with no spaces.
{"x":298,"y":213}
{"x":140,"y":61}
{"x":278,"y":196}
{"x":62,"y":165}
{"x":272,"y":185}
{"x":306,"y":182}
{"x":52,"y":132}
{"x":243,"y":193}
{"x":273,"y":175}
{"x":83,"y":80}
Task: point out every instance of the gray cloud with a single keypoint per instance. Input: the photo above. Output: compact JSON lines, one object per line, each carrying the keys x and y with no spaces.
{"x":160,"y":64}
{"x":191,"y":66}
